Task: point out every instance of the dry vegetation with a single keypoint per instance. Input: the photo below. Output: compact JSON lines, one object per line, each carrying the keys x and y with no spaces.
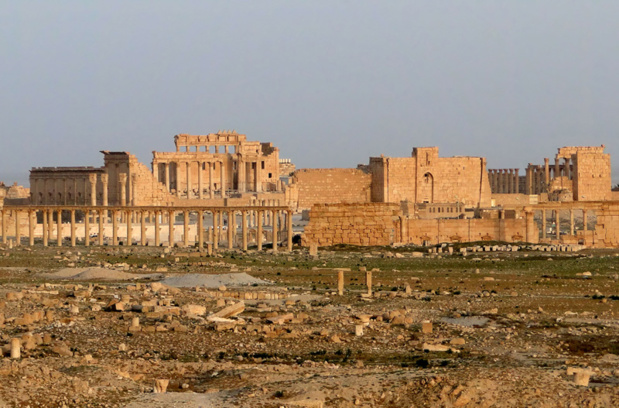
{"x":507,"y":329}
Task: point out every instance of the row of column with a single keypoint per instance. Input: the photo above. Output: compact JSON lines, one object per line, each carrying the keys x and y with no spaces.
{"x":504,"y":181}
{"x":538,"y":177}
{"x":59,"y":195}
{"x":279,"y":220}
{"x":557,"y":219}
{"x":242,"y":171}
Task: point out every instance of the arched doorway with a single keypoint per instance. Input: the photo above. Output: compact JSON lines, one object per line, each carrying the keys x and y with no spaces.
{"x":426,"y":190}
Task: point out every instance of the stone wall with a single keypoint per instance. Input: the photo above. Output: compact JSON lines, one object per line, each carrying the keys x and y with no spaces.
{"x":427,"y":178}
{"x":146,"y":189}
{"x":607,"y":226}
{"x":513,"y":199}
{"x":468,"y":230}
{"x":331,"y":186}
{"x":355,"y":224}
{"x":592,"y":181}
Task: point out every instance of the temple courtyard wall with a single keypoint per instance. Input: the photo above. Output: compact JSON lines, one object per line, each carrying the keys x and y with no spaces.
{"x":330,"y":186}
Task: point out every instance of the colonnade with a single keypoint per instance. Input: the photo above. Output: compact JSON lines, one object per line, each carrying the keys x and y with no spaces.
{"x":504,"y":181}
{"x":253,"y":221}
{"x":63,"y":190}
{"x":214,"y":177}
{"x":554,"y":215}
{"x":538,"y":177}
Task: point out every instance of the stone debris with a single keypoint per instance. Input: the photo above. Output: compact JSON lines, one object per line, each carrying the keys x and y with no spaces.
{"x":433,"y":332}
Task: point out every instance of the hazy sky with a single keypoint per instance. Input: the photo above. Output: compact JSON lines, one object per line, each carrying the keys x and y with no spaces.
{"x":330,"y":83}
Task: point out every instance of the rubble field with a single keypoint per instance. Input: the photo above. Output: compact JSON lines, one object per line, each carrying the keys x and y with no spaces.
{"x":157,"y":327}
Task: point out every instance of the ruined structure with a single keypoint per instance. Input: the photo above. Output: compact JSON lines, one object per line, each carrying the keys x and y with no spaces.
{"x":217,"y":164}
{"x":423,"y":199}
{"x":577,"y":174}
{"x":457,"y":200}
{"x":427,"y":178}
{"x":204,"y":170}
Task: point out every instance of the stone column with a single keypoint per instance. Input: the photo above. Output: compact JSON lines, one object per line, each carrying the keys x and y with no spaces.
{"x":510,"y":181}
{"x":340,"y":282}
{"x":17,"y":227}
{"x":274,"y":227}
{"x":92,"y":178}
{"x":259,"y":176}
{"x":215,"y":230}
{"x":558,"y":224}
{"x":50,"y":221}
{"x":157,"y":232}
{"x":223,"y":179}
{"x":584,"y":220}
{"x":557,"y":172}
{"x":211,"y":187}
{"x":241,"y":173}
{"x":368,"y":282}
{"x":167,"y":176}
{"x":517,"y":181}
{"x":87,"y":228}
{"x":101,"y":212}
{"x":528,"y":180}
{"x":289,"y":229}
{"x":114,"y":227}
{"x":104,"y":181}
{"x":170,"y":229}
{"x":530,"y":223}
{"x":200,"y":185}
{"x":143,"y":228}
{"x":568,"y":169}
{"x":244,"y":228}
{"x":45,"y":226}
{"x":200,"y":229}
{"x":259,"y":232}
{"x":544,"y":224}
{"x":122,"y":181}
{"x":231,"y":228}
{"x":129,"y":215}
{"x":59,"y":227}
{"x":546,"y":172}
{"x":571,"y":221}
{"x":189,"y":189}
{"x":177,"y":166}
{"x":185,"y":228}
{"x":31,"y":222}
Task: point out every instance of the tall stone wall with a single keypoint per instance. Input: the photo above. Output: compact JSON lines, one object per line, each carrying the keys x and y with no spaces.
{"x":427,"y":178}
{"x":355,"y":224}
{"x":452,"y":179}
{"x":330,"y":186}
{"x":592,"y":181}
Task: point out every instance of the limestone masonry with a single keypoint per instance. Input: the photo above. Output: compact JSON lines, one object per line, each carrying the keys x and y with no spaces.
{"x":423,"y":199}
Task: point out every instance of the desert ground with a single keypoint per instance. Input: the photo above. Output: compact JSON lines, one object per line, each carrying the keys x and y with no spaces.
{"x":501,"y":326}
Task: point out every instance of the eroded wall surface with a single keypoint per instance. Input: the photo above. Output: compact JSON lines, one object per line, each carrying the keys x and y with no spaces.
{"x":330,"y":186}
{"x":384,"y":224}
{"x":427,"y":178}
{"x":355,"y":224}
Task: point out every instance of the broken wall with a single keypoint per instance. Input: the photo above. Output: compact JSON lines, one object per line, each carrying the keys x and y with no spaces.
{"x":330,"y":186}
{"x":355,"y":224}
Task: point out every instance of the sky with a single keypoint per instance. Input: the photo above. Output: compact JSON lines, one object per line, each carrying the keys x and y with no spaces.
{"x":331,"y":83}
